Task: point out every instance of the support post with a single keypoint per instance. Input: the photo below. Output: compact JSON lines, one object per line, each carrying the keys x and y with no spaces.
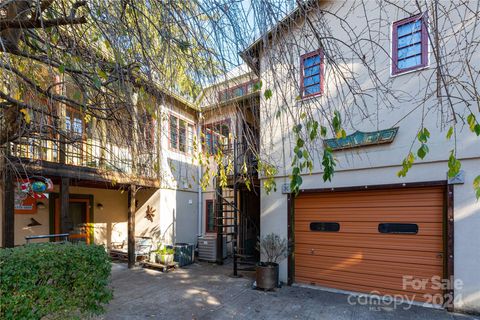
{"x":131,"y":226}
{"x":219,"y":223}
{"x":9,"y":207}
{"x":236,"y":212}
{"x":64,"y":204}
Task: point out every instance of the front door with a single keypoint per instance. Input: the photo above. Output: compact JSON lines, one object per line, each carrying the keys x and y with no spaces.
{"x":78,"y":219}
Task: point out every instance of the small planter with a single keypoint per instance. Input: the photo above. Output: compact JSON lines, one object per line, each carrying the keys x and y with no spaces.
{"x":267,"y":275}
{"x":165,"y":259}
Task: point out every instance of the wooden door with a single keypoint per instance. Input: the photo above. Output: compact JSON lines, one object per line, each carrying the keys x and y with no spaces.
{"x":79,"y":219}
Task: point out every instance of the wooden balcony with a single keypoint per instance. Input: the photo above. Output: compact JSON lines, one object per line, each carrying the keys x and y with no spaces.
{"x":86,"y":159}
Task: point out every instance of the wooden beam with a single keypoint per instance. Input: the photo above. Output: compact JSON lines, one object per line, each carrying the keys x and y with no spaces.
{"x":9,"y":209}
{"x":77,"y":173}
{"x":131,"y":225}
{"x":64,"y":204}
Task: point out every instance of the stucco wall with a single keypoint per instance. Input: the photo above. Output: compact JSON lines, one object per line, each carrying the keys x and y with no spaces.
{"x":177,"y":170}
{"x":175,"y":216}
{"x":180,"y":216}
{"x":280,"y":72}
{"x":110,"y":223}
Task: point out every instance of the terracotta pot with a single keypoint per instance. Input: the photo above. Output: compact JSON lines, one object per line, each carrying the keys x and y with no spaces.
{"x":267,"y":275}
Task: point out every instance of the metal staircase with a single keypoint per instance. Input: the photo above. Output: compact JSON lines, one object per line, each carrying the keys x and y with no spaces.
{"x":231,"y":224}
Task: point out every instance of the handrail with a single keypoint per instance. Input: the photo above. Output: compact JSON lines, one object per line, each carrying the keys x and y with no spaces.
{"x":233,"y":206}
{"x":48,"y":236}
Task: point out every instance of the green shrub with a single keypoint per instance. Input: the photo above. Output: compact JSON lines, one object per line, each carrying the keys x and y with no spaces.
{"x":165,"y":251}
{"x":62,"y":281}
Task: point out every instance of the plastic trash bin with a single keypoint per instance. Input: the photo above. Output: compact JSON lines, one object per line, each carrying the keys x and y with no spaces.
{"x":184,"y":253}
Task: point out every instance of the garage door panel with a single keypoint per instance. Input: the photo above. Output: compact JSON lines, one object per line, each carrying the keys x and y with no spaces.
{"x":368,"y":202}
{"x":372,"y":199}
{"x":424,"y":228}
{"x":384,"y":283}
{"x":357,"y":256}
{"x":399,"y":256}
{"x":357,"y":264}
{"x":379,"y":214}
{"x":385,"y":241}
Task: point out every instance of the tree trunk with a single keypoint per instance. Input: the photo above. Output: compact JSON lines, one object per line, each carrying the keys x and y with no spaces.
{"x":131,"y":226}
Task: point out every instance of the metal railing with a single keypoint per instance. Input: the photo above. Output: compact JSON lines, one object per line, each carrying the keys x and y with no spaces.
{"x":63,"y":236}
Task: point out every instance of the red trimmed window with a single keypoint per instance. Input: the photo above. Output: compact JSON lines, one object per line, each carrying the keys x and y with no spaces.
{"x":410,"y":44}
{"x":181,"y":135}
{"x":216,"y":135}
{"x":237,"y":91}
{"x":311,"y":80}
{"x":210,"y":216}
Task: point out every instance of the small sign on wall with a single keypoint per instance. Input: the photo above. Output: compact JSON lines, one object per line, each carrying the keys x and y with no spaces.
{"x":27,"y":192}
{"x":25,"y":205}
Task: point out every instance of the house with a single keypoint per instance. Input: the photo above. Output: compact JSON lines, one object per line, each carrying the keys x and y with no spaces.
{"x":97,"y":177}
{"x":229,"y":138}
{"x":152,"y":177}
{"x":377,"y":68}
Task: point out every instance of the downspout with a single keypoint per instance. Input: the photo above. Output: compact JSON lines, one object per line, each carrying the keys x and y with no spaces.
{"x":199,"y":175}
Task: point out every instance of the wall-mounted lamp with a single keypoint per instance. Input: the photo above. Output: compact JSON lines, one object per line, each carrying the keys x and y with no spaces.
{"x":99,"y":206}
{"x":40,"y":205}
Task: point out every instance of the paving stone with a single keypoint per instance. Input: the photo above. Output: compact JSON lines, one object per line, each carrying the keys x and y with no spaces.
{"x":206,"y":291}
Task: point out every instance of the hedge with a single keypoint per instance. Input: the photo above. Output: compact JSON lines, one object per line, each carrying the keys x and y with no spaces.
{"x":64,"y":281}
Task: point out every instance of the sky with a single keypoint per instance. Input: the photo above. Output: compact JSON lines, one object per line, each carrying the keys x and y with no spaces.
{"x":241,"y":22}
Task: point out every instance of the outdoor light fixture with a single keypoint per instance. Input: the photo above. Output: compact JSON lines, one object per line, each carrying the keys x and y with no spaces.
{"x":40,"y":205}
{"x":99,"y":206}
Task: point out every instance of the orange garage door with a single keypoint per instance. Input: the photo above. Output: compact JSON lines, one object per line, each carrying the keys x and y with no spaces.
{"x":368,"y":241}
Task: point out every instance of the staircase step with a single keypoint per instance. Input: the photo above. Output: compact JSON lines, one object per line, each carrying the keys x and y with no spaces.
{"x":247,"y":263}
{"x":247,"y":269}
{"x":245,"y":256}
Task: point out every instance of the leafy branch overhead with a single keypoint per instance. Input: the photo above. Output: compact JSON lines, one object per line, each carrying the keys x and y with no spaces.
{"x":302,"y":157}
{"x":116,"y":62}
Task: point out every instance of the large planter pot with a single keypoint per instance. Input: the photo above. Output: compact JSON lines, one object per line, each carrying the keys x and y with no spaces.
{"x":267,"y":275}
{"x":166,"y":259}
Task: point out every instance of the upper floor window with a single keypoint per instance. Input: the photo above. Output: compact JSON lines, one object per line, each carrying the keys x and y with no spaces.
{"x":311,"y":80}
{"x":409,"y":44}
{"x":216,"y":136}
{"x":181,"y":135}
{"x":74,"y":123}
{"x":237,"y":91}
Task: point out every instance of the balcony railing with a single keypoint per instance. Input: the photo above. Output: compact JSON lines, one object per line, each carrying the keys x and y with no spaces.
{"x":90,"y":153}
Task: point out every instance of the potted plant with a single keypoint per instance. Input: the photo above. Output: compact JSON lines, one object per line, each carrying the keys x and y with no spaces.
{"x":273,"y":249}
{"x":165,"y":256}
